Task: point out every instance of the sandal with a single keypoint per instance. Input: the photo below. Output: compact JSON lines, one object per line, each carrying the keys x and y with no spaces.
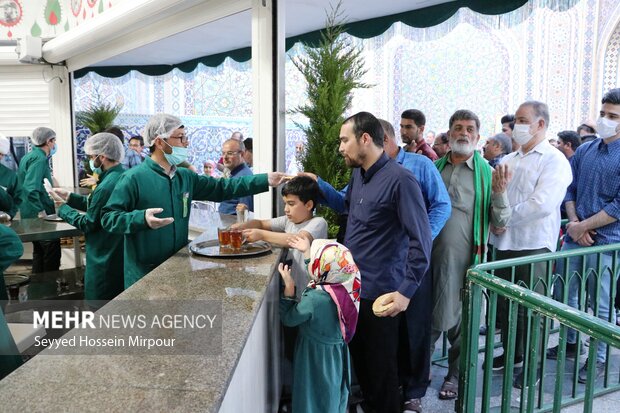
{"x":449,"y":388}
{"x":413,"y":406}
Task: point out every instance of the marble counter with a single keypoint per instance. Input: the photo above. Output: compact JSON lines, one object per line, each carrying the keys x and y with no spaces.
{"x":248,"y":291}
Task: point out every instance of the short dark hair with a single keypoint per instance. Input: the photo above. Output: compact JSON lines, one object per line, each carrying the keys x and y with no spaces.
{"x":415,"y":115}
{"x":570,"y":137}
{"x":248,"y":144}
{"x":509,"y":119}
{"x":139,"y":138}
{"x":115,"y":130}
{"x":366,"y":122}
{"x":613,"y":97}
{"x":306,"y":188}
{"x":464,"y":114}
{"x":541,"y":110}
{"x":586,"y":128}
{"x":443,"y":136}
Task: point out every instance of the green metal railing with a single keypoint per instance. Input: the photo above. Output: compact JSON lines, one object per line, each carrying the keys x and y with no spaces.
{"x":533,"y":299}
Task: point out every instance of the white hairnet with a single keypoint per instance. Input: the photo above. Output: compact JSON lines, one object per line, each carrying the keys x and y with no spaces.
{"x":41,"y":135}
{"x":161,"y":125}
{"x":107,"y":144}
{"x":4,"y":144}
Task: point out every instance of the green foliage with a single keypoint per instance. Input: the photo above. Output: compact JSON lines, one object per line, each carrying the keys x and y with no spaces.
{"x":332,"y":71}
{"x":98,"y":117}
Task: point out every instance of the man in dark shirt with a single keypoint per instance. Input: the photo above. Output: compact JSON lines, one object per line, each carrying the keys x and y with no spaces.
{"x":390,"y":240}
{"x":412,"y":123}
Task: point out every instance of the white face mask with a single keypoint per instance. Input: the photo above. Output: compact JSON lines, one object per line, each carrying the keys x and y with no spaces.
{"x":521,"y":134}
{"x":606,"y":128}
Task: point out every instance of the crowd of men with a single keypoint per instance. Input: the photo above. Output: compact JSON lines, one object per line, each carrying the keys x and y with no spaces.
{"x":413,"y":227}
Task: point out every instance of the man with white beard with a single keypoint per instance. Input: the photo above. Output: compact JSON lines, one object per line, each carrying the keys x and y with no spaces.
{"x":478,"y":196}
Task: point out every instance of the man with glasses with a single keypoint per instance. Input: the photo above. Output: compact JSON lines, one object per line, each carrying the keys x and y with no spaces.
{"x":233,"y":157}
{"x":158,"y":187}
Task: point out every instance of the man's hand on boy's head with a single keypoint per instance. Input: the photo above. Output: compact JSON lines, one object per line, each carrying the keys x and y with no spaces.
{"x":253,"y":234}
{"x":309,"y":175}
{"x":276,"y":178}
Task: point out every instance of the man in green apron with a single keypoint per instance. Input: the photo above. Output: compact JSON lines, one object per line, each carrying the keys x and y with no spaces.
{"x":35,"y":202}
{"x":158,"y":187}
{"x":103,"y":279}
{"x":10,"y":192}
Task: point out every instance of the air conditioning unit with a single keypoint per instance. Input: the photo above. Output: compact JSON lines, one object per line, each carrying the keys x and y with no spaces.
{"x":29,"y":49}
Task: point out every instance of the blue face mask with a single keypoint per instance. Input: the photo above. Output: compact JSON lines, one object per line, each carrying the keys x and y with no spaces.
{"x":178,"y":155}
{"x":93,"y":168}
{"x":53,"y":151}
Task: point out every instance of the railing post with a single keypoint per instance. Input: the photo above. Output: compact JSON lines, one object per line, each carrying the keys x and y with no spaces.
{"x":472,"y":298}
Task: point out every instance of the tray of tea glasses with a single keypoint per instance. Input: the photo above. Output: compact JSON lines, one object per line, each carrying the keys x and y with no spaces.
{"x":212,"y":248}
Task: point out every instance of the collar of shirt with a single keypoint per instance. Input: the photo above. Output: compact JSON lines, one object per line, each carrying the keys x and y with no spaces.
{"x":420,"y":146}
{"x":400,"y":158}
{"x":238,"y":169}
{"x":469,"y":162}
{"x":367,"y":175}
{"x":159,"y":169}
{"x":606,"y":147}
{"x":543,"y":147}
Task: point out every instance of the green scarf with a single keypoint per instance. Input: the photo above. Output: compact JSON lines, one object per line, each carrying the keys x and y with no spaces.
{"x":482,"y":203}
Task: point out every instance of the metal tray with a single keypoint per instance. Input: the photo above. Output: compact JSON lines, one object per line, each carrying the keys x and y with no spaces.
{"x":53,"y":217}
{"x":212,"y":248}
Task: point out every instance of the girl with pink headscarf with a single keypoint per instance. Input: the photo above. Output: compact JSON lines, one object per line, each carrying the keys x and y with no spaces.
{"x":326,"y":315}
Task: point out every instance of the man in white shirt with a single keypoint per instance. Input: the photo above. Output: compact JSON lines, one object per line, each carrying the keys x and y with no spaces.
{"x":541,"y":175}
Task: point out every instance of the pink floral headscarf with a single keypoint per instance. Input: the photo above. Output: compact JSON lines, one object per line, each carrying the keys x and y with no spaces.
{"x":333,"y":270}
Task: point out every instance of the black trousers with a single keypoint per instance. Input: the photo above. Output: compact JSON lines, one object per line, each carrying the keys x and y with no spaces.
{"x":374,"y":349}
{"x":415,"y":342}
{"x":46,"y":256}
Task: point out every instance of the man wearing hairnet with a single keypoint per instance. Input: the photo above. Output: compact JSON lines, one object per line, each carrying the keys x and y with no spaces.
{"x":35,"y":202}
{"x":103,"y":279}
{"x":10,"y":192}
{"x":158,"y":187}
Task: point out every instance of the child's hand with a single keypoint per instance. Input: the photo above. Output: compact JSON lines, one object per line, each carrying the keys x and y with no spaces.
{"x":289,"y":283}
{"x":253,"y":234}
{"x":300,"y":243}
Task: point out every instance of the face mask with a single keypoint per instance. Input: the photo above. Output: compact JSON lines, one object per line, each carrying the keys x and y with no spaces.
{"x":178,"y":155}
{"x":606,"y":128}
{"x":521,"y":134}
{"x":94,"y":168}
{"x":53,"y":151}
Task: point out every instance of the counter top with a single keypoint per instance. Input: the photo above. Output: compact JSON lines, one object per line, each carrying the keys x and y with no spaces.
{"x":38,"y":229}
{"x":149,"y":382}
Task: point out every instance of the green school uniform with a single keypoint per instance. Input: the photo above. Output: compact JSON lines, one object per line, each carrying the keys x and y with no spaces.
{"x":10,"y":197}
{"x":148,"y":186}
{"x":321,"y":369}
{"x":103,"y":279}
{"x":32,"y":169}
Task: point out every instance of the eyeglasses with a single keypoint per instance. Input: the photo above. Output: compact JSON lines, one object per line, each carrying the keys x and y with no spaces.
{"x":230,"y":153}
{"x":184,"y":139}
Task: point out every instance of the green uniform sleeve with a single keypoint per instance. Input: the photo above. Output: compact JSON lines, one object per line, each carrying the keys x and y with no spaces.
{"x":119,"y":214}
{"x":78,"y":201}
{"x":33,"y":181}
{"x":217,"y":190}
{"x":91,"y":220}
{"x":11,"y":197}
{"x":293,"y":313}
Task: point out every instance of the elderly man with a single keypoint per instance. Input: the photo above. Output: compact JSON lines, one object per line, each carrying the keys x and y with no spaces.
{"x":35,"y":202}
{"x":10,"y":192}
{"x":541,"y":175}
{"x":568,"y":142}
{"x":103,"y":279}
{"x":132,"y":210}
{"x":412,"y":123}
{"x":593,"y":207}
{"x":496,"y":147}
{"x":391,"y":241}
{"x":441,"y":146}
{"x":232,"y":154}
{"x":478,"y":196}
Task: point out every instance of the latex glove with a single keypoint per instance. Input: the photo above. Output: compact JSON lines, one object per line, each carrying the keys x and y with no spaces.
{"x":90,"y":181}
{"x":153,"y":222}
